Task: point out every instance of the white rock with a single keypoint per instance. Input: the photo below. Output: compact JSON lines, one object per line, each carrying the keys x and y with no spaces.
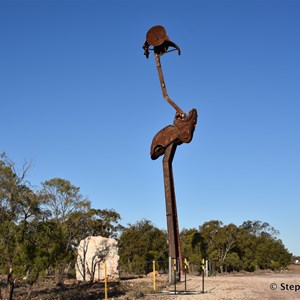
{"x":91,"y":254}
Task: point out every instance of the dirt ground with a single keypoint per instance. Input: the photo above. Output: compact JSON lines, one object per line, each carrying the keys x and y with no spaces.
{"x":267,"y":286}
{"x":283,"y":286}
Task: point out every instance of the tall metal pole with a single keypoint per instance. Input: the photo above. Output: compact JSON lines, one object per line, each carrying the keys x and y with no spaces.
{"x":171,"y":207}
{"x":166,"y":140}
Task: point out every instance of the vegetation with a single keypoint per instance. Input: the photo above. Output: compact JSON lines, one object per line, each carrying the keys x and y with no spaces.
{"x":40,"y":231}
{"x":251,"y":246}
{"x":140,"y":244}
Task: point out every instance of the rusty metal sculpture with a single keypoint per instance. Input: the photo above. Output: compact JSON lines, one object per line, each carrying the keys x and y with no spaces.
{"x":166,"y":140}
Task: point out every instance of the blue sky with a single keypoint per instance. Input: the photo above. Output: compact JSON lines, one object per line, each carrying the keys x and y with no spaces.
{"x":80,"y":100}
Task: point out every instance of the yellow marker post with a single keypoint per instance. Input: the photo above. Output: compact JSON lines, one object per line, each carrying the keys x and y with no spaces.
{"x":175,"y":269}
{"x":203,"y":267}
{"x":154,"y":283}
{"x":185,"y":270}
{"x":105,"y":281}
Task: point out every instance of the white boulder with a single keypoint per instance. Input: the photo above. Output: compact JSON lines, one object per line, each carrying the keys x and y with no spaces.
{"x":92,"y":252}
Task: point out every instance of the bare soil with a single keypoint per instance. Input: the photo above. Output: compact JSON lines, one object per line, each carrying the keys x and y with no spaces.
{"x":269,"y":286}
{"x":240,"y":286}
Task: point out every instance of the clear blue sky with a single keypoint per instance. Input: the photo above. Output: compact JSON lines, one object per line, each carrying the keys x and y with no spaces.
{"x":80,"y":100}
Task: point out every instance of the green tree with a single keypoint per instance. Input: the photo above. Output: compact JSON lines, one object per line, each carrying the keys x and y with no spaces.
{"x":61,"y":198}
{"x":140,"y":244}
{"x":253,"y":245}
{"x":246,"y":247}
{"x":189,"y":248}
{"x":75,"y":220}
{"x":260,"y":248}
{"x":64,"y":205}
{"x":259,"y":228}
{"x":233,"y":262}
{"x":104,"y":222}
{"x":219,"y":240}
{"x":208,"y":232}
{"x":41,"y":230}
{"x":34,"y":255}
{"x":193,"y":247}
{"x":19,"y":210}
{"x":225,"y":241}
{"x":271,"y":254}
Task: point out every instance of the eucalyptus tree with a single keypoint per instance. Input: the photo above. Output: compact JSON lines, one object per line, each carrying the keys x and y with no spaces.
{"x":140,"y":244}
{"x":66,"y":208}
{"x":19,"y":212}
{"x":268,"y":252}
{"x":75,"y":220}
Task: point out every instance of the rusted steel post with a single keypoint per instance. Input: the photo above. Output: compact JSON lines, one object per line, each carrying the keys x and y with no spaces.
{"x":171,"y":207}
{"x":166,"y":140}
{"x":163,"y":86}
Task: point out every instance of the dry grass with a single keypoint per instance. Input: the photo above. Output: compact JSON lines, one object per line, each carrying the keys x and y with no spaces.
{"x":248,"y":286}
{"x":294,"y":268}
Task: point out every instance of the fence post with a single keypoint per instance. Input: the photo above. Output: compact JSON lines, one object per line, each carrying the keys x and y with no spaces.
{"x":170,"y":270}
{"x":203,"y":267}
{"x":154,"y":283}
{"x":185,"y":270}
{"x":105,"y":280}
{"x":175,"y":270}
{"x":206,"y":268}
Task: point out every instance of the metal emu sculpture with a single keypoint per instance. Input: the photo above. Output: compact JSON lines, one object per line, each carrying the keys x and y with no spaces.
{"x":166,"y":140}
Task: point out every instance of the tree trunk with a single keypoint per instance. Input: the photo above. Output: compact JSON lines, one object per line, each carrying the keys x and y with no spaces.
{"x":29,"y":291}
{"x":221,"y":268}
{"x":59,"y":275}
{"x":11,"y":286}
